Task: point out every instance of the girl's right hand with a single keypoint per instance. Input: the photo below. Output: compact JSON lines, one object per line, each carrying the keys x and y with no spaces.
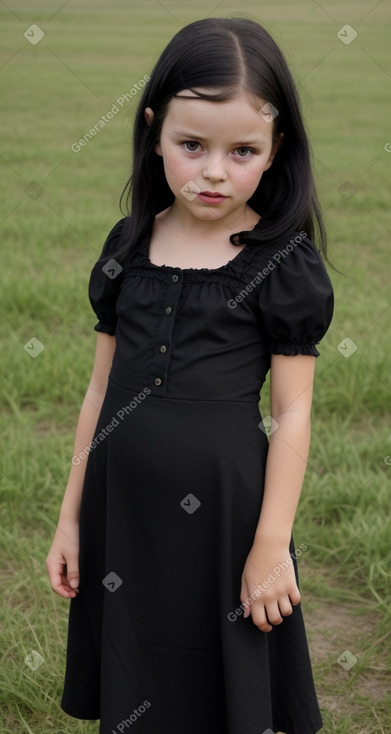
{"x":62,"y":561}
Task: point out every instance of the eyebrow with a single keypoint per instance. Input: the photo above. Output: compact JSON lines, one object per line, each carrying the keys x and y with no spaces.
{"x":200,"y":137}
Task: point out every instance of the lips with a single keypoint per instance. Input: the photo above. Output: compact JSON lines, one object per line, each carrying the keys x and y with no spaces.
{"x":213,"y":193}
{"x":212,"y":198}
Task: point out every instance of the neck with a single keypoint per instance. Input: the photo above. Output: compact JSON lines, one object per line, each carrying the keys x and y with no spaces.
{"x":179,"y":219}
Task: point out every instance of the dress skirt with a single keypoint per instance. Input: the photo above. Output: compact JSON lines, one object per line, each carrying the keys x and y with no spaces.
{"x":157,"y":642}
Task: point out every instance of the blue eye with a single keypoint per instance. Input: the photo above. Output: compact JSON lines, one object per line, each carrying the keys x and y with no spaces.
{"x":190,"y":143}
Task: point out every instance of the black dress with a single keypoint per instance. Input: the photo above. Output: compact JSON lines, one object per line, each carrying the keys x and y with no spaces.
{"x":157,"y":643}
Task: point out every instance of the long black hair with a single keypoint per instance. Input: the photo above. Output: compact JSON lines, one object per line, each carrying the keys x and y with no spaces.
{"x":231,"y":55}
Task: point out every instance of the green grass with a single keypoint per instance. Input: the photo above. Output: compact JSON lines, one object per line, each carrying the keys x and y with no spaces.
{"x":52,"y":94}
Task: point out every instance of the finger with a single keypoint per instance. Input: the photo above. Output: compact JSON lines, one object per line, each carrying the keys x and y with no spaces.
{"x":58,"y":579}
{"x":265,"y":627}
{"x":285,"y":606}
{"x":243,"y":596}
{"x":70,"y":570}
{"x":66,"y":592}
{"x":55,"y":572}
{"x":273,"y":613}
{"x":67,"y":586}
{"x":246,"y":612}
{"x":73,"y":574}
{"x":295,"y":597}
{"x":244,"y":604}
{"x":260,"y":620}
{"x":60,"y":585}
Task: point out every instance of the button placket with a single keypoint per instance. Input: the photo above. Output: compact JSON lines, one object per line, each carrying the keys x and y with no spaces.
{"x":163,"y":337}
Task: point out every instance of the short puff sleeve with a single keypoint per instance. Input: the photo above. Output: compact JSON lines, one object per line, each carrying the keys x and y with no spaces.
{"x":105,"y":282}
{"x":296,"y":299}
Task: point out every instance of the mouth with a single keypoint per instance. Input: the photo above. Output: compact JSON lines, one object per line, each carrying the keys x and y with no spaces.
{"x":212,"y":193}
{"x":212,"y":197}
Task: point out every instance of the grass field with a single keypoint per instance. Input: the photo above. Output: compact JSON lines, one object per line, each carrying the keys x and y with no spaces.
{"x":56,"y":207}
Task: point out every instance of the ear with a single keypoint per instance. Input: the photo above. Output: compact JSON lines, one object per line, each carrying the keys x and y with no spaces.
{"x":149,"y":115}
{"x":274,"y":150}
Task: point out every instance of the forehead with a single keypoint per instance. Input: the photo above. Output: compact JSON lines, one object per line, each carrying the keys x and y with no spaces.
{"x":241,"y":116}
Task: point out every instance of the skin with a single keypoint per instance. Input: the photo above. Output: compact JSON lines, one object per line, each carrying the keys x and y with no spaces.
{"x":62,"y":561}
{"x":195,"y":234}
{"x":226,"y":148}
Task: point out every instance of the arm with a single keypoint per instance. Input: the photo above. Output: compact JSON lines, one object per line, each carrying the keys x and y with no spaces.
{"x":62,"y":559}
{"x":291,"y":381}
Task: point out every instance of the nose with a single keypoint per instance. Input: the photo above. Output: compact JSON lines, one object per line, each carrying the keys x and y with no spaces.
{"x":215,"y":168}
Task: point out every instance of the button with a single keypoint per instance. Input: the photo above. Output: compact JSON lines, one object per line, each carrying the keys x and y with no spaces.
{"x":163,"y":348}
{"x":175,"y":278}
{"x":158,"y":381}
{"x":168,"y":310}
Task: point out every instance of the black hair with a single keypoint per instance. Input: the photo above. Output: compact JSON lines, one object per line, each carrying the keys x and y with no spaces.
{"x":231,"y":55}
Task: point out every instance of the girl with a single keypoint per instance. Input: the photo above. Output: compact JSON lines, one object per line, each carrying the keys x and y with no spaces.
{"x":185,"y":610}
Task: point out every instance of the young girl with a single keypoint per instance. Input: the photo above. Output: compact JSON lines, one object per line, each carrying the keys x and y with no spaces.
{"x":185,"y":611}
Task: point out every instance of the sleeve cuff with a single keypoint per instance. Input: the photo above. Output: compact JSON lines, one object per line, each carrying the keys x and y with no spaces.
{"x":105,"y":328}
{"x":292,"y":349}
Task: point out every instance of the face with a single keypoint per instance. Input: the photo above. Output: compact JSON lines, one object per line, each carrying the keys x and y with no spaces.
{"x":214,"y":153}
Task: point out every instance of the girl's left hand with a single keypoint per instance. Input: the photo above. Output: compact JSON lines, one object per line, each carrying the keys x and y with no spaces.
{"x":269,"y":589}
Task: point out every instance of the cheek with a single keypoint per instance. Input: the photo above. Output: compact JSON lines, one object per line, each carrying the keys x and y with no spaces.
{"x":248,"y":180}
{"x":177,"y":169}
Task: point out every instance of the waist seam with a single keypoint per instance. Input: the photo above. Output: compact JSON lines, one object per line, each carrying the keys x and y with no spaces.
{"x":137,"y":391}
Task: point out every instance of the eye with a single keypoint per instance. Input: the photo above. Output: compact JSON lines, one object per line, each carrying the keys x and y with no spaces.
{"x":243,"y":152}
{"x":191,"y":146}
